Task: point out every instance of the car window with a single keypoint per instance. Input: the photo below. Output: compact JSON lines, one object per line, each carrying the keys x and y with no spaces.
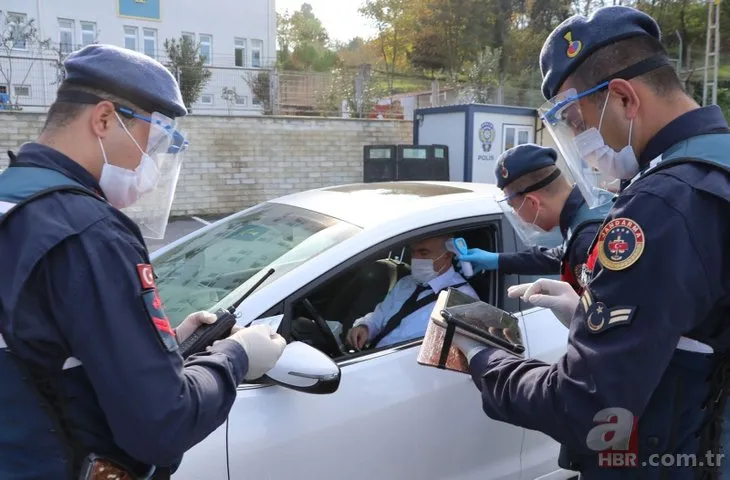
{"x":212,"y":269}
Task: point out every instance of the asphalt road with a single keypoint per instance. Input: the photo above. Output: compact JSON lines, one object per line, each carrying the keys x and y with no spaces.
{"x":179,"y":228}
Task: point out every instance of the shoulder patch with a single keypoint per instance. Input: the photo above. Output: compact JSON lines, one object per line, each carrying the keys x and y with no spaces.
{"x":146,"y":276}
{"x":620,"y":244}
{"x":600,"y":317}
{"x":156,"y":314}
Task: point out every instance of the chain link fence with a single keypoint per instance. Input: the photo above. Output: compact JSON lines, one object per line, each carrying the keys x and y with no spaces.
{"x":236,"y":85}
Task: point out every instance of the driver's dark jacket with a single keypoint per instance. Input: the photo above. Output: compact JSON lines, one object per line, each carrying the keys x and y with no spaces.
{"x":72,"y":288}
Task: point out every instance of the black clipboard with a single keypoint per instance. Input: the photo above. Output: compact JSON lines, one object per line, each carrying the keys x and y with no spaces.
{"x":473,"y":317}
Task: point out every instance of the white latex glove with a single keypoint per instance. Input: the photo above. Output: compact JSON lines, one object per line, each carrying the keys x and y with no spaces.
{"x":553,"y":294}
{"x":192,"y":322}
{"x":469,"y":347}
{"x":262,"y":345}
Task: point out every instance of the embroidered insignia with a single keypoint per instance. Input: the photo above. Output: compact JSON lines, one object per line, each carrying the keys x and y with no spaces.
{"x":620,"y":244}
{"x":156,"y":313}
{"x":578,"y":272}
{"x":574,"y":46}
{"x":503,"y":170}
{"x":600,"y":318}
{"x":146,"y":276}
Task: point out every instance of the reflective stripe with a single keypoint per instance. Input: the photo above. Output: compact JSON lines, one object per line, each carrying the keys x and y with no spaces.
{"x":5,"y":206}
{"x":690,"y":345}
{"x":70,"y":362}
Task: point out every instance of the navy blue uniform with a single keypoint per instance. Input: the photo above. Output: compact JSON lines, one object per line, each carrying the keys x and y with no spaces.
{"x":655,"y":309}
{"x":78,"y":285}
{"x":566,"y":259}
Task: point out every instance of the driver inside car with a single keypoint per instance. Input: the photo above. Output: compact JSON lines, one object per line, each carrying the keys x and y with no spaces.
{"x":405,"y":311}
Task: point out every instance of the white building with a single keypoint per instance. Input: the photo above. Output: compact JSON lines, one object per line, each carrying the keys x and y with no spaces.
{"x":238,"y":40}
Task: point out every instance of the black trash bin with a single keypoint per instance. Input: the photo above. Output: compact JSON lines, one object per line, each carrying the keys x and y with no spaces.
{"x":441,"y":162}
{"x":419,"y":162}
{"x":379,"y":163}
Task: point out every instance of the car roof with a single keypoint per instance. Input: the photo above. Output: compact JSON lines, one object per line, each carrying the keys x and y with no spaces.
{"x":370,"y":204}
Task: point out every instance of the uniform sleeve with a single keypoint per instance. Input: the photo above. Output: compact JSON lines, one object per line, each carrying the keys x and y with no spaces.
{"x":581,"y":244}
{"x":156,"y":408}
{"x":376,"y":320}
{"x":624,"y":331}
{"x":535,"y":261}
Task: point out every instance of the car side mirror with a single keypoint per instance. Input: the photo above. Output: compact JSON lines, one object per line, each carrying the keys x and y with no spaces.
{"x":305,"y":369}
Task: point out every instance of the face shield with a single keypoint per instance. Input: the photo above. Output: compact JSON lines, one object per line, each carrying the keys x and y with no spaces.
{"x":563,"y":118}
{"x":511,"y":205}
{"x":166,"y":147}
{"x":580,"y":144}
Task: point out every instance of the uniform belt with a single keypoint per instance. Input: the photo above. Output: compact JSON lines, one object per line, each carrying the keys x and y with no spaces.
{"x":70,"y":362}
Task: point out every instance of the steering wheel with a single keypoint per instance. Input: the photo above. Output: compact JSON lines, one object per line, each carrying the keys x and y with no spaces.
{"x":329,"y":336}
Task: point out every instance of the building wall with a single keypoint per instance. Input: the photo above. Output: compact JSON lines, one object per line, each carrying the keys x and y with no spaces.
{"x":224,"y":21}
{"x":236,"y":162}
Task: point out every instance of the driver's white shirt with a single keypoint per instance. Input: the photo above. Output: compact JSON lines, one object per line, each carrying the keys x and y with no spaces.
{"x":414,"y":325}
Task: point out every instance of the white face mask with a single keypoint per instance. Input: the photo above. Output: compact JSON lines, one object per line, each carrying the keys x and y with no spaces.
{"x":591,"y":146}
{"x":422,"y":269}
{"x":123,"y":187}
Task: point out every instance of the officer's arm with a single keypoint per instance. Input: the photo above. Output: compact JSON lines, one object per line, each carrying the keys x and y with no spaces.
{"x":615,"y":358}
{"x":535,"y":261}
{"x":581,"y":244}
{"x":156,"y":408}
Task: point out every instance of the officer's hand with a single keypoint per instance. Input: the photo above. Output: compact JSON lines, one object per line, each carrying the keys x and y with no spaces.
{"x":192,"y":322}
{"x":481,"y":259}
{"x":557,"y":296}
{"x":469,"y":347}
{"x":263,"y":347}
{"x":357,"y":336}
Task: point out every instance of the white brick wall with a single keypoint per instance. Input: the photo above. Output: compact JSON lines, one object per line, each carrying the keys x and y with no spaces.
{"x":236,"y":162}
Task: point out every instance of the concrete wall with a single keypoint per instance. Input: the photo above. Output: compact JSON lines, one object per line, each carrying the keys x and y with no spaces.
{"x":236,"y":162}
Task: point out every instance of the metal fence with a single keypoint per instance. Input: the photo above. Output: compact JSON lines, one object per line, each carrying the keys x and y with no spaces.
{"x":234,"y":85}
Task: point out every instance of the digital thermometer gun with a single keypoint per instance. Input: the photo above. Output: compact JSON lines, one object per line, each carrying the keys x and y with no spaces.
{"x":458,"y":246}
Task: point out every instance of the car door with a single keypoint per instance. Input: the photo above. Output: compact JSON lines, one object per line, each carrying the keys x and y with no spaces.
{"x":390,"y":418}
{"x":546,"y":339}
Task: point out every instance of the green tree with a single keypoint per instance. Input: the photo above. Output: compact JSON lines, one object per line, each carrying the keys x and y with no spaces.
{"x":304,"y":42}
{"x":394,"y":20}
{"x":188,"y":65}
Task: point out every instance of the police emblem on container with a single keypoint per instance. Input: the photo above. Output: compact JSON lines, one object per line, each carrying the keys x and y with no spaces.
{"x":486,"y":135}
{"x":621,"y":243}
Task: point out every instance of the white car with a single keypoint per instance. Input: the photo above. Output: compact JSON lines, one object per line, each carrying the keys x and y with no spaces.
{"x":335,"y":252}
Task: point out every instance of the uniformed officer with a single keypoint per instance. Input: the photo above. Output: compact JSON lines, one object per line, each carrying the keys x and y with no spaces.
{"x":536,"y":199}
{"x":648,"y":338}
{"x":90,"y":368}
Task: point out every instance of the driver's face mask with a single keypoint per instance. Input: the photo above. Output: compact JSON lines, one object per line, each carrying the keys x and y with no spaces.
{"x":422,"y":269}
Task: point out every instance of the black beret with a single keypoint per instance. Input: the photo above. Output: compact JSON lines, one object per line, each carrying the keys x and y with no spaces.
{"x":521,"y":160}
{"x":127,"y":74}
{"x":578,"y":37}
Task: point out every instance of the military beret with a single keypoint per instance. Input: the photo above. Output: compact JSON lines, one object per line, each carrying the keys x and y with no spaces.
{"x":521,"y":160}
{"x":578,"y":37}
{"x":127,"y":74}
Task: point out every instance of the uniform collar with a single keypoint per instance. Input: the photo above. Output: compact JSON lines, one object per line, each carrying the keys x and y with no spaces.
{"x":696,"y":122}
{"x":573,"y":203}
{"x":42,"y":156}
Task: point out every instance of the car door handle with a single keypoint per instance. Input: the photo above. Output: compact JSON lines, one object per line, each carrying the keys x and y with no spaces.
{"x":314,"y":376}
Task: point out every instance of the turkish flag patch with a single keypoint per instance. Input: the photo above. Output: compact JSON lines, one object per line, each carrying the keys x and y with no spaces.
{"x":146,"y":275}
{"x":153,"y":306}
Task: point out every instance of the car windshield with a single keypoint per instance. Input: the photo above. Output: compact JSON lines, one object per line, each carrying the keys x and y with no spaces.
{"x":216,"y":268}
